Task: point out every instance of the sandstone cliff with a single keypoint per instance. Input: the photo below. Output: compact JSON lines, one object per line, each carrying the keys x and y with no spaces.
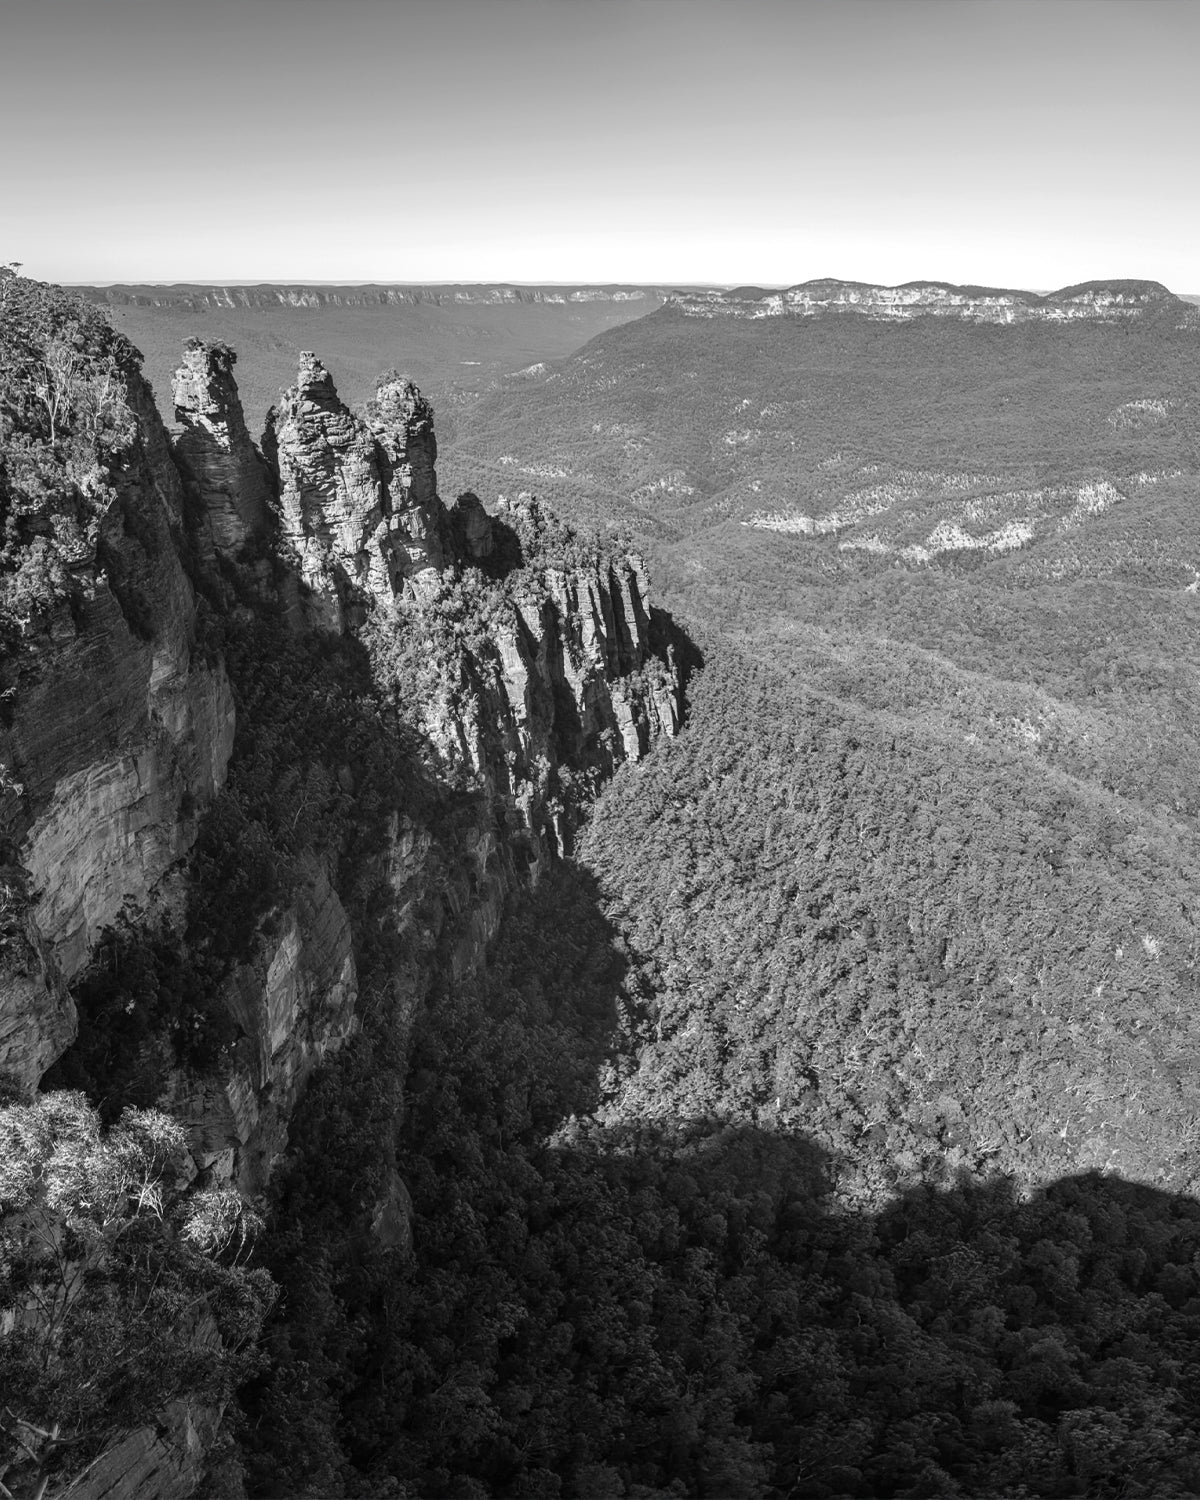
{"x":115,"y":735}
{"x":460,"y":683}
{"x":198,"y":298}
{"x":215,"y":452}
{"x":558,"y":678}
{"x":566,"y":680}
{"x":1101,"y":300}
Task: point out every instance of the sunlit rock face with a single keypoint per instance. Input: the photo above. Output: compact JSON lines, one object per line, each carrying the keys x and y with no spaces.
{"x":402,"y":422}
{"x":331,"y":497}
{"x":1101,"y":301}
{"x":567,"y":681}
{"x":358,"y":502}
{"x":121,"y":728}
{"x":230,"y":480}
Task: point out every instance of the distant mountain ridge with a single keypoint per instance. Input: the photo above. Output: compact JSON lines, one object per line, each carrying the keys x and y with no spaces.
{"x":1107,"y":300}
{"x":455,"y":339}
{"x":272,"y":294}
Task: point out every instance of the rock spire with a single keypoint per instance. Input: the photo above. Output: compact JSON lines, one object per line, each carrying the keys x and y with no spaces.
{"x":229,"y":479}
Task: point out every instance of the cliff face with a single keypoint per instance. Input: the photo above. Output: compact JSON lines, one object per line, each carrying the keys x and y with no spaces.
{"x":198,"y":298}
{"x":1106,"y":301}
{"x":511,"y":660}
{"x":114,"y":737}
{"x":568,"y":680}
{"x":563,"y":675}
{"x":358,"y":505}
{"x":331,"y":501}
{"x":537,"y":676}
{"x":419,"y":544}
{"x":215,"y":452}
{"x":535,"y":653}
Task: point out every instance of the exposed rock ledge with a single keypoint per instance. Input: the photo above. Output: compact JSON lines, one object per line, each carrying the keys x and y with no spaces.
{"x":1097,"y":300}
{"x":199,"y":298}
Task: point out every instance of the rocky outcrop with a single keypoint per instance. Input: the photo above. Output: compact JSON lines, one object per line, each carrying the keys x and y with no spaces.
{"x":402,"y":422}
{"x":567,"y":682}
{"x":1109,"y":301}
{"x":226,"y":471}
{"x":331,"y":499}
{"x":162,"y":1461}
{"x":472,"y":528}
{"x":358,"y":503}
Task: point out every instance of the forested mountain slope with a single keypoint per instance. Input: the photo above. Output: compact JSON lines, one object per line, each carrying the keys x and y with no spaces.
{"x":905,"y":910}
{"x":926,"y":948}
{"x":942,"y":435}
{"x":918,"y":873}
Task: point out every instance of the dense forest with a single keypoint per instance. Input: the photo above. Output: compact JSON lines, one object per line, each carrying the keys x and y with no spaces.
{"x":786,"y":1147}
{"x":684,"y":1302}
{"x":685,"y":419}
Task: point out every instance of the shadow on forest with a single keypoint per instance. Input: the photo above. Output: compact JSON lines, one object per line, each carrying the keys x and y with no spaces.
{"x":598,"y":1306}
{"x":668,"y":636}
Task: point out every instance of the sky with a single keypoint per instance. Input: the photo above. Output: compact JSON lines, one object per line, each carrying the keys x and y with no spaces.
{"x":1028,"y":143}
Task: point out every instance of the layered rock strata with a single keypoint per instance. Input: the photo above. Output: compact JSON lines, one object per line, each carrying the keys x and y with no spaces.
{"x":359,"y":510}
{"x":120,"y":734}
{"x":569,"y":679}
{"x":230,"y":480}
{"x":1108,"y":301}
{"x":198,"y":299}
{"x":115,"y":737}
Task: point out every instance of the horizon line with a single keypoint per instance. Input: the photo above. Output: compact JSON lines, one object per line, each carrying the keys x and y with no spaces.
{"x":656,"y":284}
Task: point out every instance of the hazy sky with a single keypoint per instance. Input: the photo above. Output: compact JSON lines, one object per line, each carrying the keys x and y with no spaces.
{"x":1025,"y":142}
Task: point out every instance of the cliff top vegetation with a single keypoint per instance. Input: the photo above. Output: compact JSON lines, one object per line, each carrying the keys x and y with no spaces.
{"x":64,"y":418}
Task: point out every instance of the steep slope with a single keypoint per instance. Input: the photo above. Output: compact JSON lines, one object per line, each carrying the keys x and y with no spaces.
{"x":115,"y":736}
{"x":281,"y":737}
{"x":526,"y":684}
{"x":920,"y":943}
